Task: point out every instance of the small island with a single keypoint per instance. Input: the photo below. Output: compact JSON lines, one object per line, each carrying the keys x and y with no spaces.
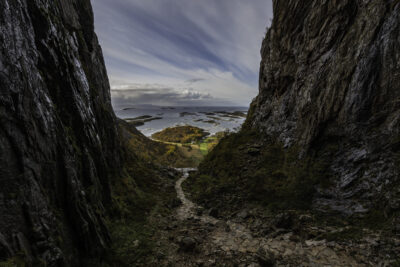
{"x":141,"y":120}
{"x":181,"y":134}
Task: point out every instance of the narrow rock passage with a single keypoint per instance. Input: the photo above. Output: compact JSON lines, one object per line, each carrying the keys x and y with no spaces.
{"x":227,"y":243}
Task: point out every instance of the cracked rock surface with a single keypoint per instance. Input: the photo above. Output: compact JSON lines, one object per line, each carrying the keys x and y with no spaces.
{"x":330,"y":76}
{"x":58,"y":139}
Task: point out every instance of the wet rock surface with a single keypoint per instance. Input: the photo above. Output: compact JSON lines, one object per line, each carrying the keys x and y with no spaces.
{"x":58,"y":136}
{"x":330,"y":77}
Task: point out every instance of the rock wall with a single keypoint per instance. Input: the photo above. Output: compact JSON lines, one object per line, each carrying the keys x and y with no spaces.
{"x":58,"y":135}
{"x":330,"y":77}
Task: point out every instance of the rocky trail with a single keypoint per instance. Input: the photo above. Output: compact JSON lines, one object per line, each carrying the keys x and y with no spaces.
{"x":192,"y":237}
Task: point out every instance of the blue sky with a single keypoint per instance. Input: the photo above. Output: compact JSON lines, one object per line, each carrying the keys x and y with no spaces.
{"x":182,"y":52}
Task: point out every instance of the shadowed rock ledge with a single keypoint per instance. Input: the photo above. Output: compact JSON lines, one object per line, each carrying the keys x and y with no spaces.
{"x":58,"y":135}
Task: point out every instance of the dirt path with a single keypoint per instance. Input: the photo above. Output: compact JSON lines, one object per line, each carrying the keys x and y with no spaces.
{"x":188,"y":209}
{"x":207,"y":241}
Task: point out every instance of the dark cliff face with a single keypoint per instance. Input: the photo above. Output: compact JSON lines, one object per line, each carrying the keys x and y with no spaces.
{"x":58,"y":136}
{"x":330,"y":77}
{"x":324,"y":132}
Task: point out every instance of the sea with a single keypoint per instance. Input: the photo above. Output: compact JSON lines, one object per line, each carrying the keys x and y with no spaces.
{"x":211,"y":119}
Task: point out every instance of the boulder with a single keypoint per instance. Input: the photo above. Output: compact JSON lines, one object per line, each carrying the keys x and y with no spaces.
{"x":244,"y":214}
{"x":283,"y":220}
{"x":213,"y":212}
{"x":188,"y":244}
{"x":265,"y":258}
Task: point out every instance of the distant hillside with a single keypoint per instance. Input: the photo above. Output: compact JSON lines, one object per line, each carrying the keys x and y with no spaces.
{"x":159,"y":153}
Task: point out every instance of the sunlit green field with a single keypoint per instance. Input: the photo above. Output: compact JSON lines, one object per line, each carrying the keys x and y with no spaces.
{"x":198,"y":150}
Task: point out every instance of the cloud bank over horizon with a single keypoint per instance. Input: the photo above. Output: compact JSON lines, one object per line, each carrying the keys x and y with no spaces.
{"x":182,"y":52}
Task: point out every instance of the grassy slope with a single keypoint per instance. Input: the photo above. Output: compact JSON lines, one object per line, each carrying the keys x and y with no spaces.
{"x":160,"y":153}
{"x":264,"y":174}
{"x":141,"y":192}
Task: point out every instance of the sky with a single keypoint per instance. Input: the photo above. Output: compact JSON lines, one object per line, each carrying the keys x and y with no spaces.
{"x":182,"y":52}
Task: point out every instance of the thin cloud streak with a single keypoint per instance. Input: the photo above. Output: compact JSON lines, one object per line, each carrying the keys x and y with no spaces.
{"x":212,"y":46}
